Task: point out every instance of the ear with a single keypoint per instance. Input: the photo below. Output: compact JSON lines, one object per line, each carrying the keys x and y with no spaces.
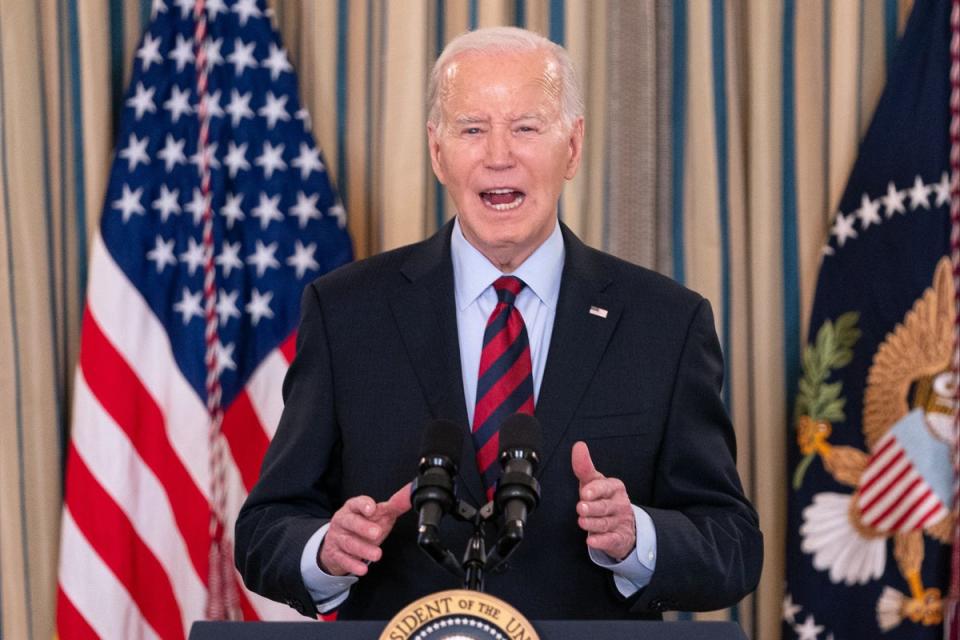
{"x":433,"y":142}
{"x":575,"y":149}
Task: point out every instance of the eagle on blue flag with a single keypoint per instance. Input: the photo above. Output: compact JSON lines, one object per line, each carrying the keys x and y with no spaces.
{"x":871,"y":501}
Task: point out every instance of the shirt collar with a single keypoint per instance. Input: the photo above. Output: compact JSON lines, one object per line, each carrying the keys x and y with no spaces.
{"x":473,"y":273}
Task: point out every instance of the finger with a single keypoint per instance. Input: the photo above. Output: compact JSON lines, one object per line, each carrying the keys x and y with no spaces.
{"x":363,"y":505}
{"x":337,"y":562}
{"x":398,"y":504}
{"x":601,"y":489}
{"x":614,"y":543}
{"x":360,"y":549}
{"x":344,"y":563}
{"x":583,"y":464}
{"x":599,"y":507}
{"x":595,"y":525}
{"x":358,"y":525}
{"x":389,"y":511}
{"x":623,"y":523}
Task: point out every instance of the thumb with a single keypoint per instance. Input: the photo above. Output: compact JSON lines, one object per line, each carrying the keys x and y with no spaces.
{"x":397,"y":504}
{"x":583,"y":464}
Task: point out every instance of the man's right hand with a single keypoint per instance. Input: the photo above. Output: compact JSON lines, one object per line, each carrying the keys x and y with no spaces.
{"x":357,"y":530}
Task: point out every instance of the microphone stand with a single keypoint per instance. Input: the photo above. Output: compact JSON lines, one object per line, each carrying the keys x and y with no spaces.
{"x":474,"y":557}
{"x":475,"y":561}
{"x":517,"y":494}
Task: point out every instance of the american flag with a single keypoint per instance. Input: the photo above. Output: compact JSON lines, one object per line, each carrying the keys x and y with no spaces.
{"x":136,"y":533}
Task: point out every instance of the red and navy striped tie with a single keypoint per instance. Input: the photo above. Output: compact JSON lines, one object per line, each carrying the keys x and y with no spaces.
{"x":505,"y":380}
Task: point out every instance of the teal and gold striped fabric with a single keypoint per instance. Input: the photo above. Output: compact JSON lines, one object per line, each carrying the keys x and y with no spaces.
{"x":719,"y":138}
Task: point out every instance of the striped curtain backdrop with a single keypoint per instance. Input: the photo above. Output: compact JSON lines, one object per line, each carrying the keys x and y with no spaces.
{"x":719,"y":137}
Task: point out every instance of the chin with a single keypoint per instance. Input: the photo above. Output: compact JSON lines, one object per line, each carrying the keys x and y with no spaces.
{"x":495,"y":230}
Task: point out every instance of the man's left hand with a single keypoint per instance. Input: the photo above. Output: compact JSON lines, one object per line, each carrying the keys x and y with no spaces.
{"x":604,"y":510}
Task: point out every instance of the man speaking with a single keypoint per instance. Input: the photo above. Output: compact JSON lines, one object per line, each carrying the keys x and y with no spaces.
{"x":504,"y":311}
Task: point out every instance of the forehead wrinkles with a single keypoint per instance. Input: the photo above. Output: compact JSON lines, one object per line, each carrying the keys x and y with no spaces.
{"x":548,"y":82}
{"x":446,"y":82}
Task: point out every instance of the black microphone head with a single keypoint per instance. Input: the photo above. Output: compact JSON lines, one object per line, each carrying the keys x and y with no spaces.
{"x":521,"y":431}
{"x":442,"y":438}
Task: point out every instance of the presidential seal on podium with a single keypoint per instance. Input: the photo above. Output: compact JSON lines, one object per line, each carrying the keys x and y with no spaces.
{"x":459,"y":615}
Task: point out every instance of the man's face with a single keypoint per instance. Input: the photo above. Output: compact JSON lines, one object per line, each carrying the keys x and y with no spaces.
{"x":503,"y":151}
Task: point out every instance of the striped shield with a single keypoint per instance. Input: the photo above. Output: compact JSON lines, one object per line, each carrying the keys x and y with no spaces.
{"x":906,"y":485}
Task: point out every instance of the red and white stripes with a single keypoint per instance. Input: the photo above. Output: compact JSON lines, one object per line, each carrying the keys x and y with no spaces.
{"x":894,"y":497}
{"x":135,"y":561}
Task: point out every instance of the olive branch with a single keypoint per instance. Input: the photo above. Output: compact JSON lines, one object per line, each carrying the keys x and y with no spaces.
{"x":818,"y":399}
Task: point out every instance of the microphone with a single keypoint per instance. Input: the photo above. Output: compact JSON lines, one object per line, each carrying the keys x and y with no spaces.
{"x":518,"y":492}
{"x":432,"y":492}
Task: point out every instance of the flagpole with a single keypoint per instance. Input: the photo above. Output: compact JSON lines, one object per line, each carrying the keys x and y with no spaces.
{"x":222,"y":599}
{"x":951,"y":627}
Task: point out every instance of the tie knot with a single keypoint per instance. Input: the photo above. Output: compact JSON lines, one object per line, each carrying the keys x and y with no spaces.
{"x":507,"y":288}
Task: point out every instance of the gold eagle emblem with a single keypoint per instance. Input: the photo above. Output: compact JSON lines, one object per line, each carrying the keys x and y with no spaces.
{"x":903,"y":485}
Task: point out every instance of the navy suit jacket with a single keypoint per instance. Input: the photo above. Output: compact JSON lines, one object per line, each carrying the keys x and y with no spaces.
{"x":378,"y":357}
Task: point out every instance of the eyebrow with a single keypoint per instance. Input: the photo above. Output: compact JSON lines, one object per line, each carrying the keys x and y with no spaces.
{"x":479,"y":119}
{"x":469,"y":119}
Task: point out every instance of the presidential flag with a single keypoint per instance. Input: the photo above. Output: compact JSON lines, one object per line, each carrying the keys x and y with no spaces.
{"x":871,"y":499}
{"x":218,"y":211}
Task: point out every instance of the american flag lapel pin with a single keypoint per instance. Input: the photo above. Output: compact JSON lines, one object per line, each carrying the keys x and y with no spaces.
{"x":598,"y":311}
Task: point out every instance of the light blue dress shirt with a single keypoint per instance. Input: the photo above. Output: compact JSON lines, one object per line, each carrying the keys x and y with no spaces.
{"x":473,"y":277}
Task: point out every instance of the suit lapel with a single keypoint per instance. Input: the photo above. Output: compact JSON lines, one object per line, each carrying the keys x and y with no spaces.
{"x":578,"y":342}
{"x":425,"y":312}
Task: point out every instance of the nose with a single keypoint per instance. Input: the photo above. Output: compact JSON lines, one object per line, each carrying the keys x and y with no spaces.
{"x":499,"y":152}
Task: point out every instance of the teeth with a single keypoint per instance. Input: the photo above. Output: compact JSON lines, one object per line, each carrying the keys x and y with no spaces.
{"x":507,"y":206}
{"x":490,"y":194}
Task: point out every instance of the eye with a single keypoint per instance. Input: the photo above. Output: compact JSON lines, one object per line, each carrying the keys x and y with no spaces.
{"x":526,"y":128}
{"x":472,"y":131}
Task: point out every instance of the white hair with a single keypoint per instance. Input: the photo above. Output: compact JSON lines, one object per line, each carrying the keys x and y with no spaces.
{"x":507,"y":40}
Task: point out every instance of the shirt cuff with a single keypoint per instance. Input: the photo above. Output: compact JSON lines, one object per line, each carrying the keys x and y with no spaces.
{"x":635,"y":571}
{"x":328,"y":592}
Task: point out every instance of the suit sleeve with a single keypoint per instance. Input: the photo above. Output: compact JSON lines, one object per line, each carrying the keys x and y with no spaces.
{"x":297,"y":491}
{"x":709,"y":545}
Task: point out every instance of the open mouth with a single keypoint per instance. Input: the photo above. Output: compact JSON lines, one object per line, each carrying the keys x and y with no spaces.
{"x":502,"y":199}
